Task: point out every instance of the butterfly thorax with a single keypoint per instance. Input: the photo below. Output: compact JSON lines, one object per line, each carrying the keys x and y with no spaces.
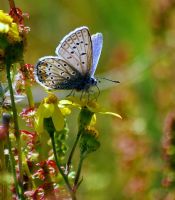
{"x":85,"y":82}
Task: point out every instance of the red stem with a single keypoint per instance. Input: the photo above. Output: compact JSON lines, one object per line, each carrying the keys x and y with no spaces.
{"x":12,"y":4}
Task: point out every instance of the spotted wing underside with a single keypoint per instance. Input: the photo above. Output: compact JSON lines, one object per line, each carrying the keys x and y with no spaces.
{"x":54,"y":73}
{"x":76,"y":49}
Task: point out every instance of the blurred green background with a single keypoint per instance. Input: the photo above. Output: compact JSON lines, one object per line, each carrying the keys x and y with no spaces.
{"x":139,"y":46}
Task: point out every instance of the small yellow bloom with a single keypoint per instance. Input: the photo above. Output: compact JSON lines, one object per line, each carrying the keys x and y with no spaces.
{"x":13,"y":33}
{"x":93,"y":106}
{"x":5,"y":18}
{"x":49,"y":107}
{"x":9,"y":28}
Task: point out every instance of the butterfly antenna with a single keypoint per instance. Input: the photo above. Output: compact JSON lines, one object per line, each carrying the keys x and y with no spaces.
{"x":109,"y":80}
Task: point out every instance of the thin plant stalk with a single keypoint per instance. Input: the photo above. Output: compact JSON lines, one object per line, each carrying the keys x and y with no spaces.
{"x":12,"y":163}
{"x":29,"y":94}
{"x":3,"y":170}
{"x":11,"y":3}
{"x":72,"y":151}
{"x":60,"y":169}
{"x":16,"y":127}
{"x":77,"y":177}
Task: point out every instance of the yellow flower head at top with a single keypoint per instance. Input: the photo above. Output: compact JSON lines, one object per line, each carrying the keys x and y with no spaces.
{"x":8,"y":28}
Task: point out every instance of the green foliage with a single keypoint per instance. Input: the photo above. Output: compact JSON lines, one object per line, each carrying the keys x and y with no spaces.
{"x":60,"y":142}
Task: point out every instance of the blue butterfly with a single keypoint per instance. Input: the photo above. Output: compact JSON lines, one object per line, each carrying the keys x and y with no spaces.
{"x":75,"y":64}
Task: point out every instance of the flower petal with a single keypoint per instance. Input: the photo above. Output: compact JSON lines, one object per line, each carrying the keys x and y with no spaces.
{"x":39,"y":124}
{"x":65,"y":111}
{"x":65,"y":102}
{"x":58,"y":119}
{"x":45,"y":110}
{"x":93,"y":120}
{"x":111,"y":113}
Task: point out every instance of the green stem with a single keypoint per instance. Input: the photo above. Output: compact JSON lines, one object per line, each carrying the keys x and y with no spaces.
{"x":76,"y":182}
{"x":16,"y":128}
{"x":29,"y":94}
{"x":27,"y":171}
{"x":12,"y":163}
{"x":3,"y":170}
{"x":73,"y":150}
{"x":60,"y":169}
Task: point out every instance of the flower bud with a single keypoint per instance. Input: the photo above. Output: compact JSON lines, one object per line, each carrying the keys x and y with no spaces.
{"x":5,"y":126}
{"x":85,"y":117}
{"x":88,"y":141}
{"x":6,"y":119}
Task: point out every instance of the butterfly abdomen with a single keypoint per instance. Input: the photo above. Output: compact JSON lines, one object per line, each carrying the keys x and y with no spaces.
{"x":79,"y":83}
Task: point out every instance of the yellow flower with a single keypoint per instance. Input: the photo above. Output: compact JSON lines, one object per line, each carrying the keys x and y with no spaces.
{"x":92,"y":106}
{"x":49,"y":108}
{"x":5,"y":18}
{"x":8,"y":28}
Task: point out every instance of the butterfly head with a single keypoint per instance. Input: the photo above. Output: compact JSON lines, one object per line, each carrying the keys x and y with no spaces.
{"x":93,"y":81}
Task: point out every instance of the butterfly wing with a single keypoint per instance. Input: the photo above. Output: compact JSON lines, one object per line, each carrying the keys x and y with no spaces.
{"x":97,"y":43}
{"x":76,"y":49}
{"x":54,"y":73}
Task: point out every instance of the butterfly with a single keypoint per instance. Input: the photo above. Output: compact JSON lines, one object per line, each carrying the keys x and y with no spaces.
{"x":75,"y":62}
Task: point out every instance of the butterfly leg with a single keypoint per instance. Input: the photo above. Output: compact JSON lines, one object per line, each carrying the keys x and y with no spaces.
{"x":98,"y":92}
{"x":71,"y":93}
{"x":95,"y":97}
{"x":88,"y":95}
{"x":81,"y":95}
